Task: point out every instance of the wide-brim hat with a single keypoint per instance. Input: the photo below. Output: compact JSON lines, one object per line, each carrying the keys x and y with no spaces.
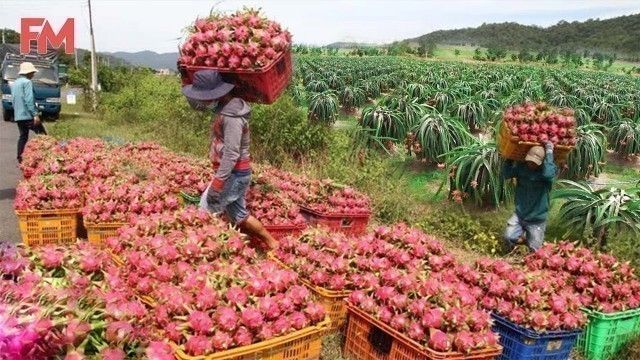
{"x":207,"y":85}
{"x":27,"y":68}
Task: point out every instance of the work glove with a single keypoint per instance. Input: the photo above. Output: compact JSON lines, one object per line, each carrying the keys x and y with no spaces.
{"x":548,"y":146}
{"x":213,"y":199}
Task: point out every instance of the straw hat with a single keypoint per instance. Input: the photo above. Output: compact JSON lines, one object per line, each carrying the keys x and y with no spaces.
{"x":27,"y":68}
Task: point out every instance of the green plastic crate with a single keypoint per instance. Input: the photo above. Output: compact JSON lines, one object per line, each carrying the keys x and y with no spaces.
{"x":607,"y":333}
{"x":189,"y":200}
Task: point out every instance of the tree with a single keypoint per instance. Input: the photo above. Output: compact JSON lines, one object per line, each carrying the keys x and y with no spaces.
{"x":422,"y":49}
{"x":456,"y":52}
{"x":477,"y":54}
{"x":495,"y":53}
{"x":431,"y":50}
{"x":525,"y":56}
{"x":11,"y":36}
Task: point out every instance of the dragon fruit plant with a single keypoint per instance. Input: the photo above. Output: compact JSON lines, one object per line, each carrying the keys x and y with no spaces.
{"x":47,"y":193}
{"x":538,"y":300}
{"x":601,"y":281}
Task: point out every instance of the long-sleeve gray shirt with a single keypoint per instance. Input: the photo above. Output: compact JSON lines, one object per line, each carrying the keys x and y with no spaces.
{"x":229,"y":147}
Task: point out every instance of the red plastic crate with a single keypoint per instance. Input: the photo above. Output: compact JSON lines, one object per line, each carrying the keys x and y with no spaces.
{"x":253,"y":85}
{"x":348,"y":224}
{"x":279,"y":232}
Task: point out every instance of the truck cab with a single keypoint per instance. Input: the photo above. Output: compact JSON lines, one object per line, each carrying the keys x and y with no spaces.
{"x":46,"y":84}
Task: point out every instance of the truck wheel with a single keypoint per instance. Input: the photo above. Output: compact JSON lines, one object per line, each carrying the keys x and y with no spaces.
{"x":7,"y":115}
{"x":55,"y":117}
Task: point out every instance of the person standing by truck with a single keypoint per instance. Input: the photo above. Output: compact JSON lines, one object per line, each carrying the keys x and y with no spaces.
{"x":534,"y":178}
{"x":228,"y":151}
{"x":24,"y":106}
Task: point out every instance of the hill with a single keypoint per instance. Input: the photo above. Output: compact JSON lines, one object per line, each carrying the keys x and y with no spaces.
{"x":149,"y":58}
{"x":348,"y":45}
{"x":619,"y":35}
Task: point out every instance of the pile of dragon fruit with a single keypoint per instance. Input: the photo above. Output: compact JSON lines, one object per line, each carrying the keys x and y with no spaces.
{"x":336,"y":262}
{"x":401,"y":276}
{"x":48,"y":193}
{"x":601,"y":281}
{"x":538,"y":123}
{"x":207,"y":289}
{"x":536,"y":300}
{"x":321,"y":196}
{"x":123,"y":200}
{"x":117,"y":183}
{"x":64,"y":302}
{"x":109,"y":183}
{"x":244,"y":39}
{"x":272,"y":205}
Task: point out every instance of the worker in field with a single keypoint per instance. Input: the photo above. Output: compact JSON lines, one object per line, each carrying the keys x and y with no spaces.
{"x":228,"y":151}
{"x":534,"y":178}
{"x":24,"y":106}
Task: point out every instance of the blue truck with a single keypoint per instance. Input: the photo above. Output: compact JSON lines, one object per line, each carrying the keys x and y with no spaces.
{"x":46,"y":83}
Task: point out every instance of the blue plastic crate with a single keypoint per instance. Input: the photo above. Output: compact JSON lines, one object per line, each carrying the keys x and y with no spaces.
{"x":523,"y":344}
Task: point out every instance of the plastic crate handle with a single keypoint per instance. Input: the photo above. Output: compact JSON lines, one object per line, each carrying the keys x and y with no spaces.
{"x":345,"y":222}
{"x":554,"y":345}
{"x":380,"y":340}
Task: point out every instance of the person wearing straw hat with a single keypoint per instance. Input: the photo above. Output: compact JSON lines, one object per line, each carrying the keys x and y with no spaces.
{"x":228,"y":151}
{"x":24,"y":106}
{"x":534,"y":179}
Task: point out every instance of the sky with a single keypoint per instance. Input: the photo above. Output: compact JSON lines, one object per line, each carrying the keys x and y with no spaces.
{"x":136,"y":25}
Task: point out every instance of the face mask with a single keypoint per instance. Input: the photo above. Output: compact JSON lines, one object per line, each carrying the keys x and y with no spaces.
{"x":213,"y":106}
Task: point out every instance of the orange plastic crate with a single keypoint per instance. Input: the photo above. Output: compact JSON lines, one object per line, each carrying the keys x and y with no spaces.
{"x":331,"y":300}
{"x":304,"y":344}
{"x":99,"y":233}
{"x":41,"y":227}
{"x":512,"y":148}
{"x":370,"y":339}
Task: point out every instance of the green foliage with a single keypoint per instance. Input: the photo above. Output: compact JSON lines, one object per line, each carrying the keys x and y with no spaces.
{"x":384,"y":123}
{"x":281,"y":132}
{"x":462,"y":229}
{"x":352,"y":97}
{"x":438,"y":135}
{"x":477,"y":171}
{"x":598,"y":213}
{"x":495,"y":53}
{"x":612,"y":35}
{"x":475,"y":111}
{"x":588,"y":157}
{"x":624,"y":137}
{"x":323,"y":107}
